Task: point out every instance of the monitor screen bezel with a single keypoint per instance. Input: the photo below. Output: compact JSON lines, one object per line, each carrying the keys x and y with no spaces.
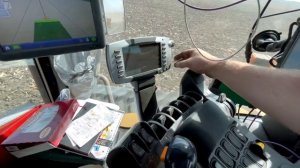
{"x":96,"y":7}
{"x":141,"y":45}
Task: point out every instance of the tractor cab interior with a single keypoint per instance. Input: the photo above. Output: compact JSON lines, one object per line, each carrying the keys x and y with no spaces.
{"x":203,"y":124}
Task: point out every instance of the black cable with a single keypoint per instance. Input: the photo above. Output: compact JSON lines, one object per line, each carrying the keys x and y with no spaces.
{"x":284,"y":147}
{"x":212,"y":9}
{"x":265,"y":7}
{"x":231,"y":56}
{"x":248,"y":114}
{"x":67,"y":17}
{"x":239,"y":111}
{"x":276,"y":60}
{"x":44,"y":13}
{"x":248,"y":51}
{"x":281,"y":13}
{"x":291,"y":29}
{"x":289,"y":35}
{"x":261,"y":14}
{"x":21,"y":22}
{"x":254,"y":119}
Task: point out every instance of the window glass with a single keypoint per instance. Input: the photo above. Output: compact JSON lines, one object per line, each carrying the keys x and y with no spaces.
{"x":17,"y":87}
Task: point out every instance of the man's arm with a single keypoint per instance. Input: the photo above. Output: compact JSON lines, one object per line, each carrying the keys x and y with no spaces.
{"x":274,"y":91}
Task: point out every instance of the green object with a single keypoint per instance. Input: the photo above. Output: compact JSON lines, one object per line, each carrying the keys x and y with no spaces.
{"x":16,"y":47}
{"x":49,"y":29}
{"x":237,"y":99}
{"x":93,"y":39}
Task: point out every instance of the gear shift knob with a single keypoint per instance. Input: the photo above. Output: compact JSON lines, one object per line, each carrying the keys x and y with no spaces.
{"x":181,"y":154}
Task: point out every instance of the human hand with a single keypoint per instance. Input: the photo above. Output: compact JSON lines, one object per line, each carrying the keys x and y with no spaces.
{"x":194,"y":61}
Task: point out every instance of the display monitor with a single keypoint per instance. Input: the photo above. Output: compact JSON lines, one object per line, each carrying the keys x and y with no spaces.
{"x":32,"y":28}
{"x":141,"y":58}
{"x":138,"y":58}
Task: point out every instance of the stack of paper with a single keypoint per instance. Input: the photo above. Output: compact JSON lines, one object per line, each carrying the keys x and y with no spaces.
{"x":94,"y":128}
{"x":89,"y":125}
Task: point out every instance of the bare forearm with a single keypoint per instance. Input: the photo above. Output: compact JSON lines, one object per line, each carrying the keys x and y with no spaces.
{"x":276,"y":92}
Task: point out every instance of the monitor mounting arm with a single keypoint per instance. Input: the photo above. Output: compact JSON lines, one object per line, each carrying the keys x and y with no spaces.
{"x":146,"y":98}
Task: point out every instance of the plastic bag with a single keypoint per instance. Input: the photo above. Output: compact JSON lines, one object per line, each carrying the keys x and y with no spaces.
{"x":76,"y":71}
{"x":64,"y":94}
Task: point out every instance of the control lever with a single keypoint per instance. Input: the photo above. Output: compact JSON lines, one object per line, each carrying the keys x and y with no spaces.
{"x":181,"y":154}
{"x":195,"y":82}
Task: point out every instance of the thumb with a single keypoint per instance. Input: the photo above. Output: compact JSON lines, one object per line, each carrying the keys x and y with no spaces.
{"x":181,"y":64}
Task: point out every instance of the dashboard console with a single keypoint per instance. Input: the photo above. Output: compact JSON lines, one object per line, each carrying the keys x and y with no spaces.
{"x":207,"y":121}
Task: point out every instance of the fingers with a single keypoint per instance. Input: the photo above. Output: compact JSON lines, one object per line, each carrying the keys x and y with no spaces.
{"x":183,"y":55}
{"x":182,"y":64}
{"x":182,"y":59}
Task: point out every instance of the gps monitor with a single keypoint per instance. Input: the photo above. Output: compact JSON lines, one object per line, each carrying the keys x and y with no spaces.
{"x":133,"y":59}
{"x":33,"y":28}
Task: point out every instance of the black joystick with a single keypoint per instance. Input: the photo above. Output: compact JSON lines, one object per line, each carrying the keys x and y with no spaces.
{"x":181,"y":154}
{"x":192,"y":81}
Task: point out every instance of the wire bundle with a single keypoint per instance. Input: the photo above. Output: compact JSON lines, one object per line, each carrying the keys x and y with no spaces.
{"x":252,"y":32}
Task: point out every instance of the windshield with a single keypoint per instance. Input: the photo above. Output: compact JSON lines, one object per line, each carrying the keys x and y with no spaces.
{"x":220,"y":32}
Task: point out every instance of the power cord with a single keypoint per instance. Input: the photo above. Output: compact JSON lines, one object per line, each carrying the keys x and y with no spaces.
{"x":281,"y":13}
{"x":248,"y":114}
{"x":277,"y":59}
{"x":254,"y":119}
{"x":291,"y":30}
{"x":212,"y":9}
{"x":282,"y":146}
{"x":252,"y":32}
{"x":248,"y":49}
{"x":239,"y":111}
{"x":43,"y":10}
